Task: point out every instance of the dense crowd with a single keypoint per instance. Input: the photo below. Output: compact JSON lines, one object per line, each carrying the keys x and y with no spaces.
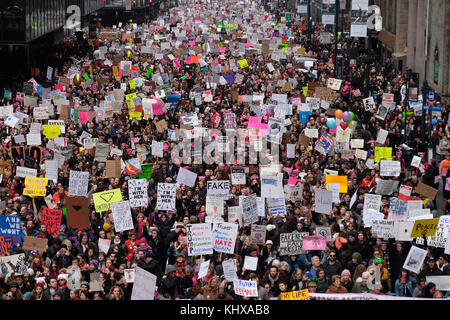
{"x":157,"y":243}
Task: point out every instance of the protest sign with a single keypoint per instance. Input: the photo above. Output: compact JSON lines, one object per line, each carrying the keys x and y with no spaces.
{"x":52,"y":220}
{"x":77,"y":212}
{"x":383,"y":153}
{"x":386,"y":187}
{"x":314,"y":243}
{"x":218,"y":188}
{"x":78,"y":183}
{"x":229,"y":270}
{"x":369,"y":215}
{"x":121,"y":212}
{"x":323,"y":201}
{"x":372,"y":201}
{"x":10,"y":232}
{"x":35,"y":187}
{"x":130,"y":275}
{"x":113,"y":168}
{"x":251,"y":263}
{"x":381,"y":137}
{"x":258,"y":234}
{"x":383,"y":229}
{"x":238,"y":175}
{"x":146,"y":171}
{"x":424,"y":228}
{"x":245,"y":288}
{"x":291,"y":243}
{"x":334,"y":188}
{"x":426,"y":191}
{"x":144,"y":285}
{"x":103,"y":200}
{"x":166,"y":196}
{"x":51,"y":169}
{"x":295,"y":295}
{"x":390,"y":168}
{"x":137,"y":192}
{"x":324,"y":232}
{"x":8,"y":264}
{"x":103,"y":245}
{"x":224,"y":236}
{"x":249,"y":209}
{"x":342,"y":180}
{"x":186,"y":177}
{"x":438,"y":240}
{"x":101,"y":151}
{"x":442,"y":282}
{"x":415,"y":258}
{"x":24,"y":172}
{"x":34,"y":243}
{"x":199,"y":238}
{"x":405,"y":190}
{"x":294,"y":193}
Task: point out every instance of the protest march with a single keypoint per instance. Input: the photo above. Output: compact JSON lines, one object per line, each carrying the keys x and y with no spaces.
{"x":215,"y":153}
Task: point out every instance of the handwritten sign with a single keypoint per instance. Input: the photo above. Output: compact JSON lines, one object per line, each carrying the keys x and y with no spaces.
{"x":245,"y":288}
{"x":166,"y":196}
{"x":121,"y":212}
{"x":52,"y":220}
{"x":295,"y":295}
{"x":35,"y":187}
{"x":199,"y":238}
{"x":224,"y":236}
{"x":314,"y":243}
{"x":137,"y":192}
{"x":103,"y":200}
{"x":424,"y":228}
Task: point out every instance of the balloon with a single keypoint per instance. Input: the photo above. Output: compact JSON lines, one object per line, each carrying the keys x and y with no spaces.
{"x":331,"y":123}
{"x":344,"y":125}
{"x":346,"y":116}
{"x":353,"y":124}
{"x":77,"y":79}
{"x":338,"y":114}
{"x":352,"y":116}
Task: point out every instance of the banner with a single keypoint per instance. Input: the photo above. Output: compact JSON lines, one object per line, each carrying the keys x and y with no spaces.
{"x":199,"y":238}
{"x":224,"y":236}
{"x":359,"y":296}
{"x":35,"y":187}
{"x":103,"y":200}
{"x":138,"y":193}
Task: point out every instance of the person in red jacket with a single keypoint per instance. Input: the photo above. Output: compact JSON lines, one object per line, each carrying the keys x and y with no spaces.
{"x":131,"y":242}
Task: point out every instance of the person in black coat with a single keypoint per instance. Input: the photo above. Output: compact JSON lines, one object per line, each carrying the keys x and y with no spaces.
{"x":431,"y":269}
{"x":150,"y":264}
{"x":171,"y":283}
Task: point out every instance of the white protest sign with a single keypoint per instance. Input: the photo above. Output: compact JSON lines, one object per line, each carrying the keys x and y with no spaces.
{"x":103,"y":245}
{"x":24,"y":172}
{"x":370,"y":215}
{"x":291,"y":243}
{"x":121,"y":212}
{"x":383,"y":229}
{"x":251,"y":263}
{"x":372,"y":201}
{"x":382,"y":135}
{"x":290,"y":150}
{"x":415,"y":259}
{"x":229,"y":270}
{"x":258,"y":234}
{"x":224,"y":236}
{"x":130,"y":275}
{"x":389,"y":168}
{"x":357,"y":143}
{"x":78,"y":183}
{"x":166,"y":196}
{"x":238,"y":175}
{"x":334,"y":188}
{"x":218,"y":188}
{"x":144,"y":285}
{"x":203,"y":271}
{"x":51,"y":169}
{"x":157,"y":148}
{"x":245,"y":288}
{"x":137,"y":192}
{"x":249,"y":209}
{"x":186,"y":177}
{"x":324,"y":201}
{"x":386,"y":187}
{"x":199,"y":238}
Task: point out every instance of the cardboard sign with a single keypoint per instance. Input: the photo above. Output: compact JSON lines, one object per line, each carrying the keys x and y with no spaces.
{"x":113,"y":168}
{"x":426,"y":191}
{"x":424,"y":228}
{"x":35,"y":187}
{"x":52,"y":220}
{"x":34,"y":243}
{"x":77,"y":212}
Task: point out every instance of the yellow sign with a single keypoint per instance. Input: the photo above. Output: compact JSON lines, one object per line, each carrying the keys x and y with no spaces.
{"x":342,"y":180}
{"x":103,"y":200}
{"x":35,"y":187}
{"x":243,"y":63}
{"x":115,"y":71}
{"x":301,"y":50}
{"x":424,"y":228}
{"x":383,"y":153}
{"x":295,"y":295}
{"x":136,"y":115}
{"x":130,"y":105}
{"x":305,"y":91}
{"x":130,"y":96}
{"x":132,"y":84}
{"x":51,"y":130}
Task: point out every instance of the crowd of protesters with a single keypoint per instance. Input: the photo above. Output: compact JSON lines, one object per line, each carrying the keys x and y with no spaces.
{"x":157,"y":243}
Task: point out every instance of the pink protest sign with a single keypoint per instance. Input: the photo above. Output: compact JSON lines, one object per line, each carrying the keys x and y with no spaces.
{"x":293,"y":181}
{"x":157,"y":108}
{"x":314,"y":243}
{"x":253,"y":122}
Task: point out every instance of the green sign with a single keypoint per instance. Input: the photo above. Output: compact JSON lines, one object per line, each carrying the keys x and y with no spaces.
{"x":436,"y":71}
{"x":146,"y":171}
{"x":288,"y":16}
